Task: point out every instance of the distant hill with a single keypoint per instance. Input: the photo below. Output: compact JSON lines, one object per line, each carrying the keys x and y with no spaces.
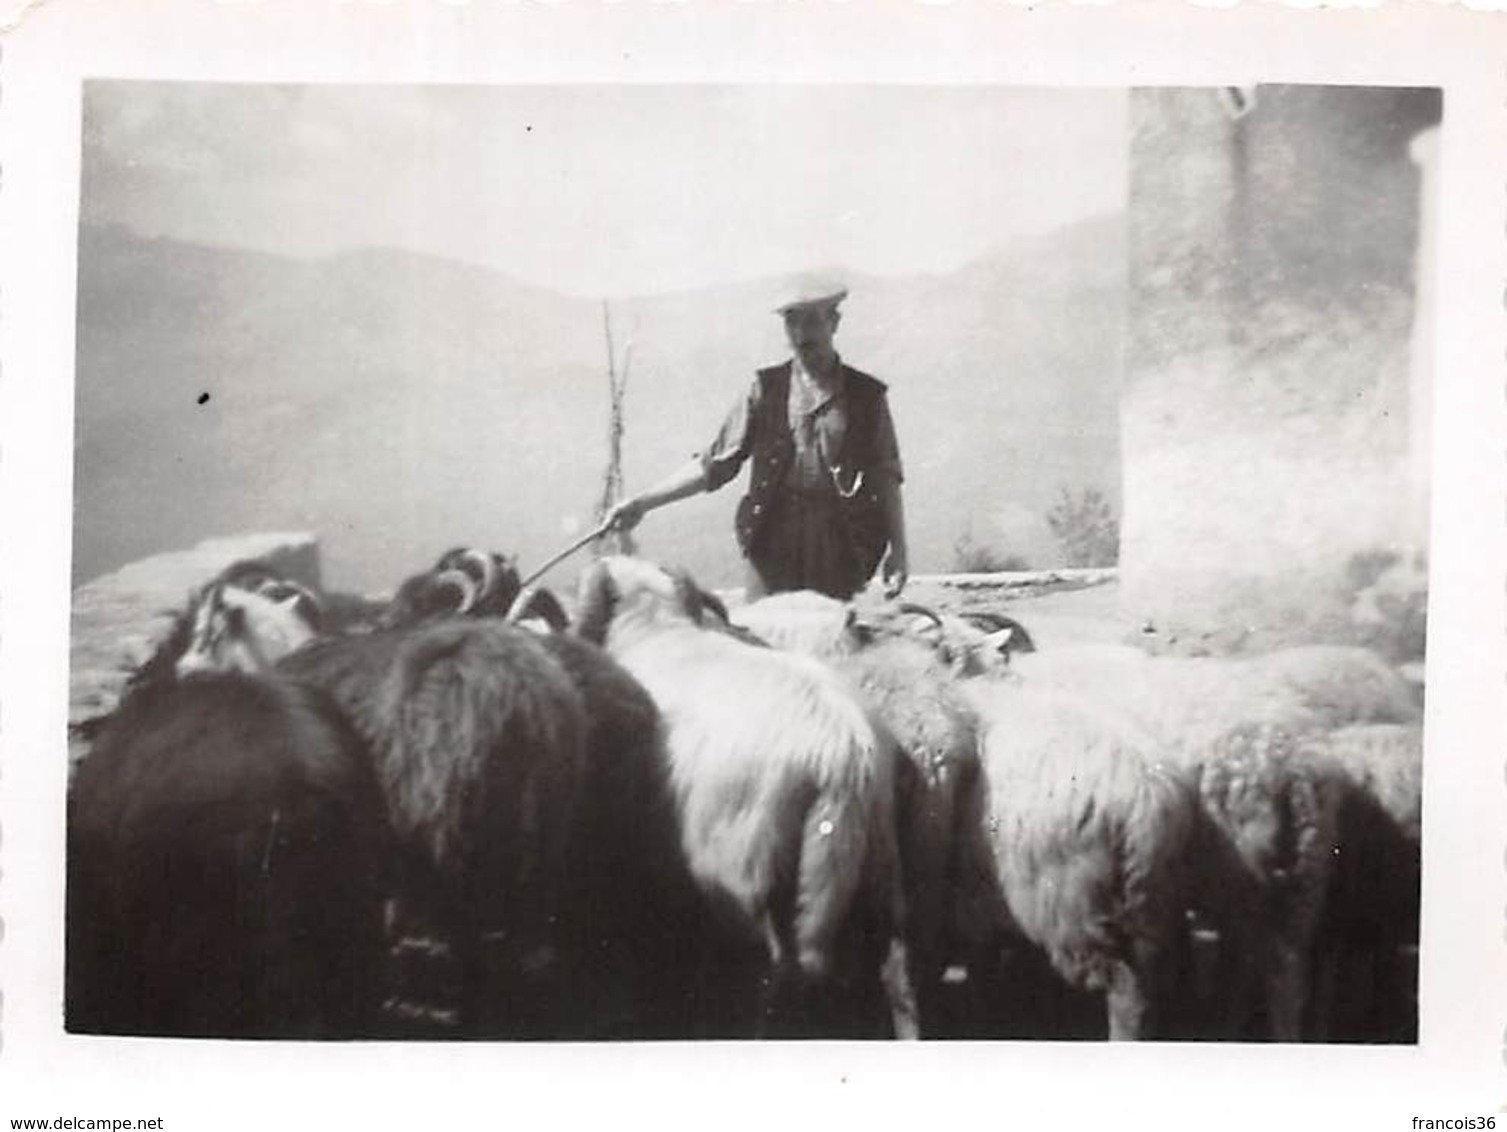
{"x":398,"y":404}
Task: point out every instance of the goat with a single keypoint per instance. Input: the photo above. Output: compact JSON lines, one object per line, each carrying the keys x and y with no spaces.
{"x":784,"y":785}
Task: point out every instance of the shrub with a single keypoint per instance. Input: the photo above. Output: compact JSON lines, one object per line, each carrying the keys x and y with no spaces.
{"x":972,"y":557}
{"x":1086,"y":527}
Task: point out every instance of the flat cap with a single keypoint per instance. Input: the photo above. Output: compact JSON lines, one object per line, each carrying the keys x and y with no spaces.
{"x":810,"y":291}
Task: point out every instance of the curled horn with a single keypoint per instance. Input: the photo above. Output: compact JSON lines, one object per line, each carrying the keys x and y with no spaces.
{"x":930,"y":614}
{"x":461,"y":581}
{"x":714,"y":603}
{"x":987,"y":619}
{"x":1004,"y":632}
{"x":487,"y":565}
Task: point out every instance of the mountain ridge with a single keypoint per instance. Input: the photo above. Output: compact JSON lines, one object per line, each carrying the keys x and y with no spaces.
{"x":400,"y":403}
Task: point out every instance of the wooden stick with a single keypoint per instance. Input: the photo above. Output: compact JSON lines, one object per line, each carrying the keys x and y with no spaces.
{"x":524,"y":592}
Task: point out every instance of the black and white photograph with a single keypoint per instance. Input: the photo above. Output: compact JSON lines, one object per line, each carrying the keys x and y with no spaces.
{"x":813,"y":560}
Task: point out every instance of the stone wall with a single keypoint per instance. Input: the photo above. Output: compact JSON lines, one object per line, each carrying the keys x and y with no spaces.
{"x":118,"y":620}
{"x":1266,"y":411}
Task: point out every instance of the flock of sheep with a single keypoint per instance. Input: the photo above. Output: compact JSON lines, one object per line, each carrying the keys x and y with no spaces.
{"x":468,"y":812}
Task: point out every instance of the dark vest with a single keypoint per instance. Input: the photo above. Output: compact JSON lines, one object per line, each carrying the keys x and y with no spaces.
{"x":861,"y":511}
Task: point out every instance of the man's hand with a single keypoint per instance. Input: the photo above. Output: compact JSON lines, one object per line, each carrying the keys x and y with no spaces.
{"x":626,"y":515}
{"x":896,"y":572}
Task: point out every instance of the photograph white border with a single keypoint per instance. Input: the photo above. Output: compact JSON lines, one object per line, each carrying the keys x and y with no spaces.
{"x":1458,"y":1068}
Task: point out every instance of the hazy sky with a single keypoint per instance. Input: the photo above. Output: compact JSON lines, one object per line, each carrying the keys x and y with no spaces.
{"x":607,"y":190}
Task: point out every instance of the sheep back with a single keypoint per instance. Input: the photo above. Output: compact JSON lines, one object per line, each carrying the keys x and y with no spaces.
{"x":784,"y":783}
{"x":480,"y":749}
{"x":1368,"y":983}
{"x":802,"y":621}
{"x":1191,"y":703}
{"x":225,"y":857}
{"x":908,"y":688}
{"x":633,"y":908}
{"x":1092,"y":830}
{"x":1376,"y":771}
{"x":1343,"y":684}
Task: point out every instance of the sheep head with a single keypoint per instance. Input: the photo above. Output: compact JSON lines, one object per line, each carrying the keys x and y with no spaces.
{"x":495,"y":577}
{"x":808,"y":622}
{"x":430,"y":596}
{"x":246,"y":576}
{"x":239,"y":629}
{"x":620,"y":597}
{"x":971,"y":645}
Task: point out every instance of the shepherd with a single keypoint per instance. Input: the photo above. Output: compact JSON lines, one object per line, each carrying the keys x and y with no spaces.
{"x":823,"y":508}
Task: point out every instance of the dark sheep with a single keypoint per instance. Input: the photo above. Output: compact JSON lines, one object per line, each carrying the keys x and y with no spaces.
{"x":1367,"y":982}
{"x":225,"y":845}
{"x":627,"y":909}
{"x":634,"y":922}
{"x":1274,"y":816}
{"x":472,"y":583}
{"x":478,"y":736}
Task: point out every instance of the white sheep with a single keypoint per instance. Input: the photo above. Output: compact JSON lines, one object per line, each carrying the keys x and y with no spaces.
{"x":1081,"y":823}
{"x":1190,"y":702}
{"x":915,"y":695}
{"x":1240,"y":728}
{"x":1095,"y":838}
{"x":785,"y":787}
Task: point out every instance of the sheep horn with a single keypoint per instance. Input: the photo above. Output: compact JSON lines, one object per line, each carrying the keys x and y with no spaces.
{"x":922,"y":611}
{"x":463,"y":582}
{"x":714,"y":603}
{"x":489,"y":571}
{"x":994,"y":624}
